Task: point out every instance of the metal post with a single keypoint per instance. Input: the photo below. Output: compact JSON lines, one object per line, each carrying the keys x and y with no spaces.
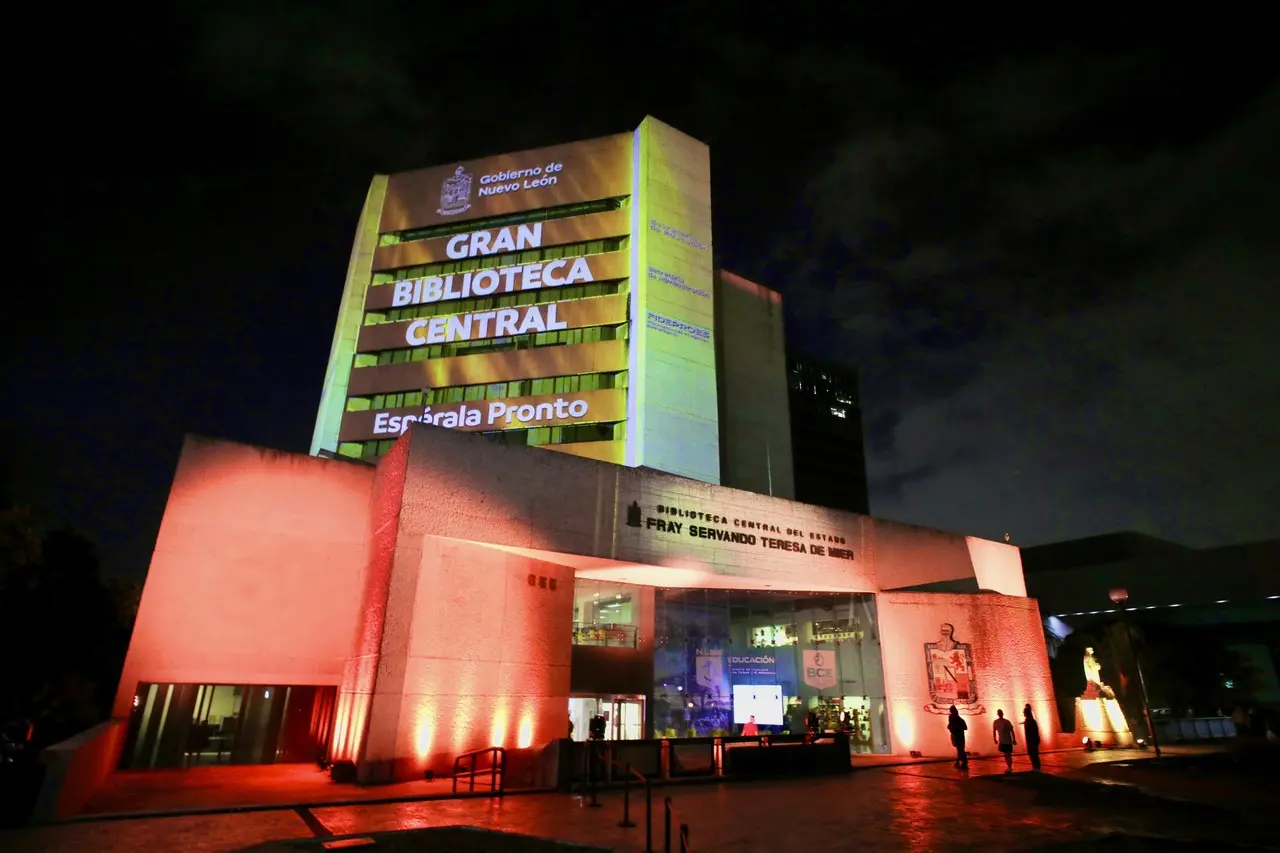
{"x":666,"y":825}
{"x":592,"y":771}
{"x":684,"y":838}
{"x":1146,"y":705}
{"x":626,"y":821}
{"x":648,"y":816}
{"x":1120,"y":597}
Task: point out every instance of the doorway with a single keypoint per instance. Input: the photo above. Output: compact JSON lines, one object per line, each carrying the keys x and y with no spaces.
{"x":623,"y":715}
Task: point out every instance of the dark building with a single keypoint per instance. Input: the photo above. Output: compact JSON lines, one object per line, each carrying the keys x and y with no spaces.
{"x":1217,"y":604}
{"x":826,"y":434}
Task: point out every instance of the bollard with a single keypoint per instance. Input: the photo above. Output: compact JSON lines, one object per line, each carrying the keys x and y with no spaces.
{"x":666,"y":825}
{"x":626,"y":821}
{"x":591,"y":776}
{"x":648,"y":816}
{"x":684,"y":838}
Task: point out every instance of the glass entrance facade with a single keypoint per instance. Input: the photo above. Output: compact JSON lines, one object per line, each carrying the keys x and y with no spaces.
{"x":726,"y":661}
{"x":190,"y":725}
{"x":623,"y":716}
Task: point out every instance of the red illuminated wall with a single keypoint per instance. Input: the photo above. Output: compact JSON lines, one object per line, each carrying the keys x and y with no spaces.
{"x":906,"y":555}
{"x":1011,"y":665}
{"x":360,"y":673}
{"x":473,"y":655}
{"x":460,"y":646}
{"x":273,"y":568}
{"x":255,"y":571}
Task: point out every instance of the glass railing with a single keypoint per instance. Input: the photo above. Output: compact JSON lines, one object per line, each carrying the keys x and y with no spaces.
{"x":605,"y":634}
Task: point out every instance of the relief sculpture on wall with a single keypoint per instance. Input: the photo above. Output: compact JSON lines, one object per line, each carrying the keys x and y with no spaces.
{"x":951,"y":675}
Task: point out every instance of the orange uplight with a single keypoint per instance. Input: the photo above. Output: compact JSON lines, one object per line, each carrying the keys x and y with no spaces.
{"x":526,"y":733}
{"x":498,"y":735}
{"x":904,"y":728}
{"x":422,"y":736}
{"x":1091,"y":710}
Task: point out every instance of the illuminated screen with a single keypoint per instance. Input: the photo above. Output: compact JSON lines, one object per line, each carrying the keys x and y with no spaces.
{"x":674,"y":423}
{"x":763,"y":701}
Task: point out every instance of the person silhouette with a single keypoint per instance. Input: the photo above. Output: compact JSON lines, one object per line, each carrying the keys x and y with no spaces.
{"x":958,"y":727}
{"x":1004,"y":736}
{"x":1031,"y":735}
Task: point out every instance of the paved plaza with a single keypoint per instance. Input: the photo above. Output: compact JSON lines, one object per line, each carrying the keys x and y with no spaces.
{"x":926,"y":806}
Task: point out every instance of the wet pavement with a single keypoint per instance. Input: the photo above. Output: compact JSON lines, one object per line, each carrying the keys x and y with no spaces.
{"x":924,"y":806}
{"x":217,"y":788}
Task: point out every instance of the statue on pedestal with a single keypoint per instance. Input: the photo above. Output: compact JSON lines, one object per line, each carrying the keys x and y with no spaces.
{"x":1093,"y":685}
{"x":1099,"y":717}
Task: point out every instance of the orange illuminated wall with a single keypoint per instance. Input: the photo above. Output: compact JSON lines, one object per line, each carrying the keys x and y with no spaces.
{"x":1011,"y":666}
{"x":461,"y":646}
{"x":907,"y":555}
{"x":255,"y":571}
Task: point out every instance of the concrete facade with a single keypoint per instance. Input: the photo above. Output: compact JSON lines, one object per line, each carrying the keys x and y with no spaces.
{"x":751,"y":380}
{"x":435,"y":591}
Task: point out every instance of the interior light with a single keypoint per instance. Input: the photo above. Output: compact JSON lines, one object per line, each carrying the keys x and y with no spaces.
{"x":1222,"y":601}
{"x":1175,"y":605}
{"x":1272,"y":597}
{"x":1150,"y":607}
{"x":1131,"y":608}
{"x":266,"y":694}
{"x":619,"y":595}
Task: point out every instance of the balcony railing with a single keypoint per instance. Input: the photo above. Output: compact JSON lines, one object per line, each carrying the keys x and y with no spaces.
{"x":605,"y":634}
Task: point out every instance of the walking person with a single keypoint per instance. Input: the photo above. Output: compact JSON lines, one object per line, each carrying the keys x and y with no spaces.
{"x":1003,"y":734}
{"x":1031,"y":734}
{"x":958,"y":727}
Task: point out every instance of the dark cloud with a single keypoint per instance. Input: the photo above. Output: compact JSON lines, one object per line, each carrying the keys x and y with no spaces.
{"x":1047,"y":241}
{"x":1058,"y":283}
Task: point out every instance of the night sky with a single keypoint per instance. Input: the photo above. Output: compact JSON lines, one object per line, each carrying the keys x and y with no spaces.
{"x":1050,"y":244}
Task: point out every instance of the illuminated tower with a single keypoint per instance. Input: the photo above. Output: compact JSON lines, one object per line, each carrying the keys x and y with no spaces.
{"x":558,"y":297}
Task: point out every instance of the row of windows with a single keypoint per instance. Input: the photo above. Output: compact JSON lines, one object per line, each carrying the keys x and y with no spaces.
{"x":533,"y":437}
{"x":529,"y":256}
{"x":492,"y":391}
{"x":546,"y":214}
{"x":591,"y":334}
{"x":488,"y":303}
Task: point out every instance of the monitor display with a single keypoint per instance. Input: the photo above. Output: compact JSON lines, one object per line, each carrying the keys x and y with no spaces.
{"x":762,"y":701}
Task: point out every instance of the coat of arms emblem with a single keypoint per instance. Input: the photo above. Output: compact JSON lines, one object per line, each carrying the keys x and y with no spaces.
{"x":951,"y":676}
{"x":455,"y":193}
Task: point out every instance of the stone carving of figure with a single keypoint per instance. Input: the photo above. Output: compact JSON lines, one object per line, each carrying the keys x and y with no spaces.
{"x":1093,"y":686}
{"x":946,"y":637}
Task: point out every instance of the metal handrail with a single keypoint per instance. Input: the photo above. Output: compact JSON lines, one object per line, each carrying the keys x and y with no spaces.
{"x":497,"y":769}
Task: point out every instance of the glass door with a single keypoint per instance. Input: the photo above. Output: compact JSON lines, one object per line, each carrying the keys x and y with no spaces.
{"x":628,"y":718}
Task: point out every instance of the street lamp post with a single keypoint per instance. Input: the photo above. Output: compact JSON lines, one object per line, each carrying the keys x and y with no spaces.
{"x":1119,"y":597}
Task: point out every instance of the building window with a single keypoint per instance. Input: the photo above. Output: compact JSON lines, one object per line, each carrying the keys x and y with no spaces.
{"x":839,"y":412}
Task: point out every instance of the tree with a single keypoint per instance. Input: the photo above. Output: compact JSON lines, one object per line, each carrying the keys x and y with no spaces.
{"x":63,"y":628}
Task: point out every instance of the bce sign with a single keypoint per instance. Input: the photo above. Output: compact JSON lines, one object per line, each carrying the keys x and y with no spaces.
{"x":819,"y":669}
